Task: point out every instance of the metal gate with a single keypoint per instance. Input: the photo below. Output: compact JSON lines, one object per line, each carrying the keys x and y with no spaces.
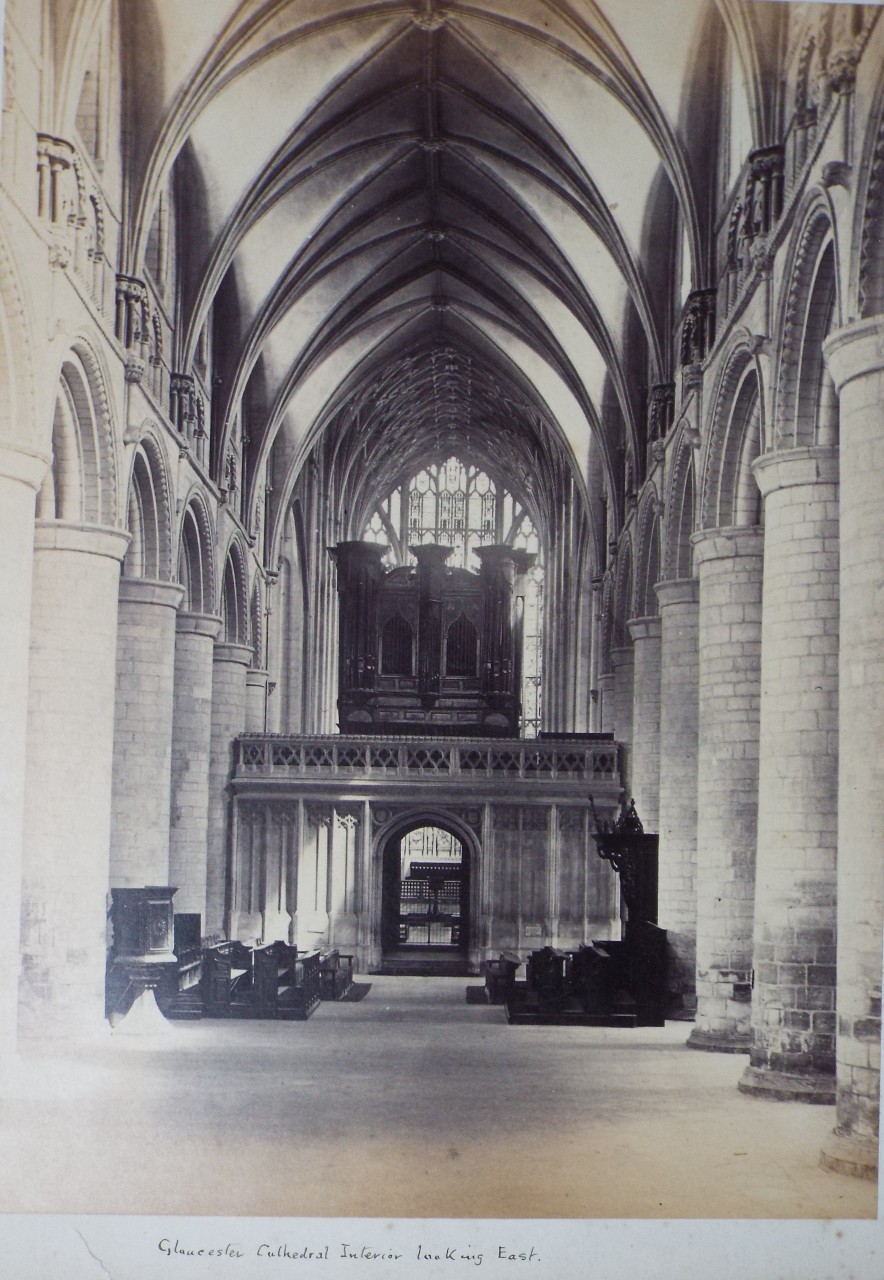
{"x":431,"y":905}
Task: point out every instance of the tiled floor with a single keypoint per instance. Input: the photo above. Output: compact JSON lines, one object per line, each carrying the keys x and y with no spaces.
{"x":411,"y":1103}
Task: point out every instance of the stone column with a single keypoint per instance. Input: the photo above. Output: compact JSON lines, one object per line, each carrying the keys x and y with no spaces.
{"x":793,"y":999}
{"x":21,"y":472}
{"x":729,"y":563}
{"x":230,"y":664}
{"x":678,"y":601}
{"x":256,"y":700}
{"x":622,"y":660}
{"x":143,"y":732}
{"x":645,"y":785}
{"x":66,"y":854}
{"x":855,"y":355}
{"x":191,"y":734}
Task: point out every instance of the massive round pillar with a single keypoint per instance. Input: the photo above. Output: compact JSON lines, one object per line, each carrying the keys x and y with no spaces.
{"x":678,"y":601}
{"x":793,"y":999}
{"x":20,"y":475}
{"x":65,"y":867}
{"x":855,"y":355}
{"x":729,"y":563}
{"x":645,"y":782}
{"x":230,"y":665}
{"x":191,"y":735}
{"x":143,"y":732}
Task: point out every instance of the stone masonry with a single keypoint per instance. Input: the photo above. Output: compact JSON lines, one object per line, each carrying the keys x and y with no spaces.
{"x":729,"y":562}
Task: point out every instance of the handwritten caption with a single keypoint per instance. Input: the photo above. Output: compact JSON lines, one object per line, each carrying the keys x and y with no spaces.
{"x":349,"y":1252}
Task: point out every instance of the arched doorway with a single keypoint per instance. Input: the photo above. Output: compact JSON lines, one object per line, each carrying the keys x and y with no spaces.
{"x":426,"y":893}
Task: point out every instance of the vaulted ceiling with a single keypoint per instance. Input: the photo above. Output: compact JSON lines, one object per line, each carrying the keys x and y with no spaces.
{"x":427,"y":225}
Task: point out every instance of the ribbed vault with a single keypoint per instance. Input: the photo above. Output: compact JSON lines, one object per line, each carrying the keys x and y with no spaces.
{"x":373,"y":193}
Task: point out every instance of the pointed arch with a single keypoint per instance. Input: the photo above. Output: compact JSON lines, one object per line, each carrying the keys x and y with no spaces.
{"x":647,"y":554}
{"x":196,"y":556}
{"x":234,"y":595}
{"x":679,"y":523}
{"x":17,"y":385}
{"x":149,"y":513}
{"x":256,"y":624}
{"x":81,"y":484}
{"x":623,"y":596}
{"x":730,"y":494}
{"x":810,"y":310}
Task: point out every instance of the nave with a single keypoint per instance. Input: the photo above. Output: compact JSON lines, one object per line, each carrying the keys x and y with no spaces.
{"x":411,"y":1103}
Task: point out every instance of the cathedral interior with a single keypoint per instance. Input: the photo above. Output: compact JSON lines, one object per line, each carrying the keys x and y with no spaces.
{"x":420,"y":430}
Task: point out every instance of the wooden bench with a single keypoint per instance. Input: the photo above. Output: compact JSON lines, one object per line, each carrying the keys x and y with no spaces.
{"x":226,"y":982}
{"x":546,"y":975}
{"x":500,"y":977}
{"x":180,"y":995}
{"x":306,"y":993}
{"x":274,"y":977}
{"x":335,"y":974}
{"x":590,"y":975}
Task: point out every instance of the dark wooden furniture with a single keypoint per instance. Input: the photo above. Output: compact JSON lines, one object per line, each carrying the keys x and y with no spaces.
{"x":306,"y":994}
{"x":141,"y":958}
{"x":639,"y":972}
{"x":590,"y":978}
{"x":274,"y":976}
{"x":500,"y":977}
{"x":335,"y":974}
{"x":226,"y":982}
{"x":434,"y":648}
{"x":180,"y":996}
{"x":546,"y":976}
{"x":639,"y":960}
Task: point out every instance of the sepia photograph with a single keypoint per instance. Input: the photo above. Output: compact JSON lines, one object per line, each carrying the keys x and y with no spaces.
{"x":442,"y":633}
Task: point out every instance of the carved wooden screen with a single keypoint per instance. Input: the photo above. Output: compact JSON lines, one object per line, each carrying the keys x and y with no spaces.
{"x":397,"y":647}
{"x":461,"y":648}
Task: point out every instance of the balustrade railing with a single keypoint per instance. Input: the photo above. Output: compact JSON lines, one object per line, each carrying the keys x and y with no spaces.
{"x":283,"y":756}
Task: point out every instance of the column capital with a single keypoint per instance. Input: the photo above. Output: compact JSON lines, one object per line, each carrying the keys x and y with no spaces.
{"x":237,"y":653}
{"x":27,"y":466}
{"x":727,"y":544}
{"x":855,"y":351}
{"x":198,"y":624}
{"x":622,"y":657}
{"x":91,"y":539}
{"x":150,"y":591}
{"x":677,"y":591}
{"x":649,"y":628}
{"x":790,"y":468}
{"x":257,"y":677}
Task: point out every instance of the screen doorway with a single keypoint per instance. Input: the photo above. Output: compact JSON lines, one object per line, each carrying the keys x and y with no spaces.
{"x":425,"y":891}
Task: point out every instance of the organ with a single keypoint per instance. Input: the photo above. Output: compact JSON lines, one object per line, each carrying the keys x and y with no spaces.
{"x":429,"y":648}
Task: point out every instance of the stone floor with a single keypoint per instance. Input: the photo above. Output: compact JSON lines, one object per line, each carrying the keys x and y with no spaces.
{"x":411,"y":1103}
